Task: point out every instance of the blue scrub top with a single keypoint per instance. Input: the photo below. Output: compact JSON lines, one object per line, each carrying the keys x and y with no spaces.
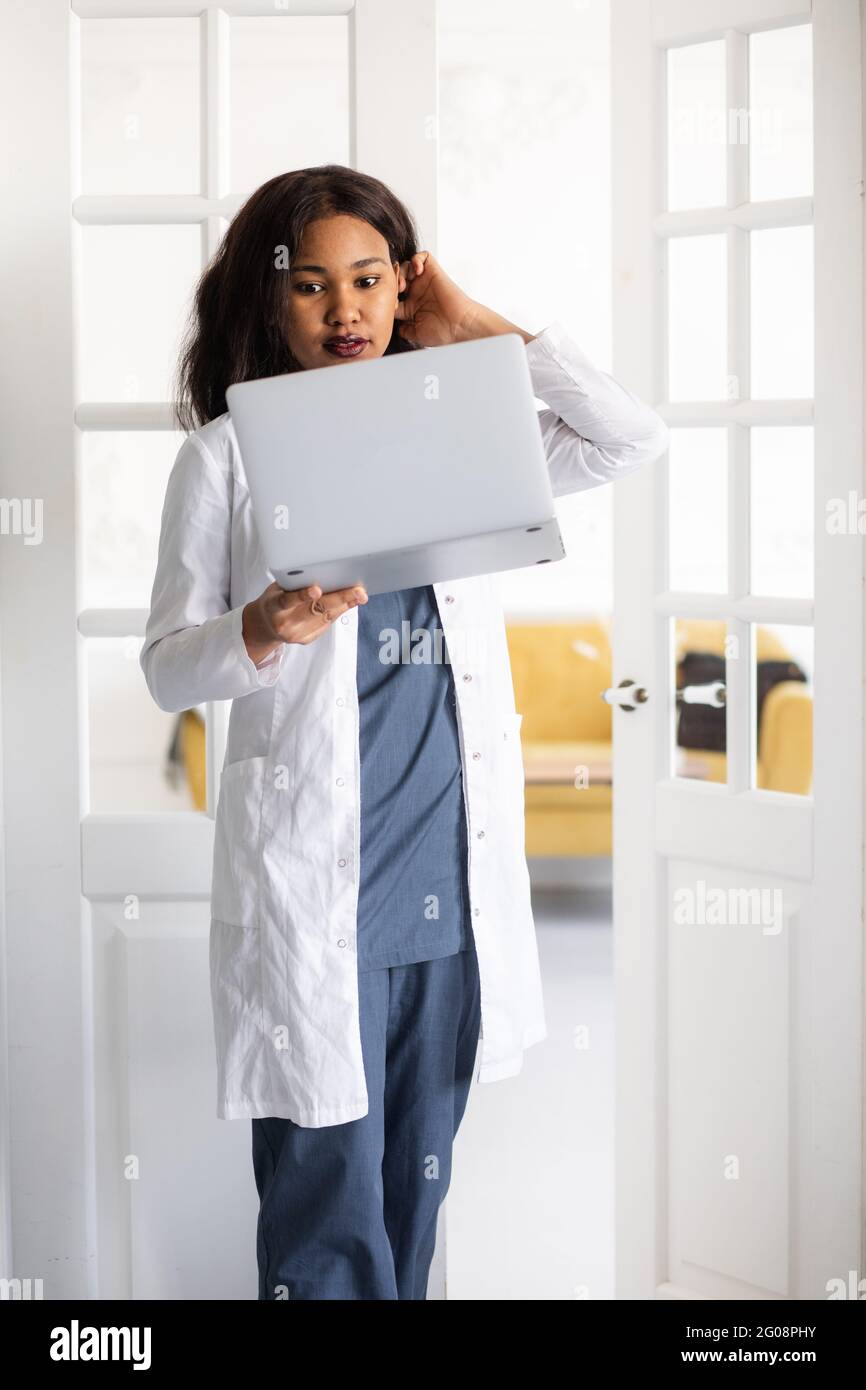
{"x":413,"y":900}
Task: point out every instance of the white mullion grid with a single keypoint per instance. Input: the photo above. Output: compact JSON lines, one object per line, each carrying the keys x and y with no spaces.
{"x":215,"y":180}
{"x":739,"y":690}
{"x":112,"y":622}
{"x":738,"y":413}
{"x":695,"y":21}
{"x":795,"y":612}
{"x":784,"y":412}
{"x":211,"y":235}
{"x":159,"y":209}
{"x":665,"y":636}
{"x":124,"y":415}
{"x":215,"y":123}
{"x":192,"y":9}
{"x":774,"y":212}
{"x":208,"y":208}
{"x":353,"y":89}
{"x":215,"y":126}
{"x":738,"y":683}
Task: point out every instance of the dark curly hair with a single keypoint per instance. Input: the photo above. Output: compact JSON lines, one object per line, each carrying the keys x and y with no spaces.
{"x":234,"y":328}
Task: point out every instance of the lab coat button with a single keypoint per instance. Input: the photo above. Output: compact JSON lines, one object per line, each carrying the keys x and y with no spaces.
{"x":340,"y":782}
{"x":342,"y":941}
{"x":467,"y":677}
{"x":342,"y":863}
{"x":340,"y":700}
{"x":476,"y":755}
{"x":344,"y":618}
{"x":476,"y":911}
{"x":481,"y":834}
{"x":449,"y":598}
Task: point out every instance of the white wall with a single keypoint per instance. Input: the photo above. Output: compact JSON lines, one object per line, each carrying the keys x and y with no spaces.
{"x":524,"y":217}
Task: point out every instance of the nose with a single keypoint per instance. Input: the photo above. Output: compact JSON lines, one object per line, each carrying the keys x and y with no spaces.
{"x":343,"y":309}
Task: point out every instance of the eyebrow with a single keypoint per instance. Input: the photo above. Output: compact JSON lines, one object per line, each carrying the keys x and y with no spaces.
{"x":356,"y":265}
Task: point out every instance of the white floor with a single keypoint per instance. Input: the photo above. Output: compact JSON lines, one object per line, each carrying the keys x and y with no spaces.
{"x":530,"y":1209}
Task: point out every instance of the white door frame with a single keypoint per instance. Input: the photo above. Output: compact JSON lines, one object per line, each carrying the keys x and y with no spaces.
{"x":814,"y":844}
{"x":59,"y":858}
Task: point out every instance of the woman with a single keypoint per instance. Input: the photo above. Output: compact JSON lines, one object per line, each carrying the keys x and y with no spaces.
{"x":370,"y":912}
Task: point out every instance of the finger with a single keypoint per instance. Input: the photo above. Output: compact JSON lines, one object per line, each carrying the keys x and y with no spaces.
{"x":355,"y":593}
{"x":325,"y":610}
{"x":309,"y":622}
{"x":290,"y":598}
{"x":336,"y":601}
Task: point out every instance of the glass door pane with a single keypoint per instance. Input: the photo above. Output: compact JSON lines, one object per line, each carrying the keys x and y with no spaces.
{"x":783,"y":313}
{"x":696,"y":126}
{"x":782,"y":699}
{"x":780,"y":113}
{"x":140,"y":106}
{"x":783,"y":511}
{"x":698,"y":509}
{"x":697,"y":318}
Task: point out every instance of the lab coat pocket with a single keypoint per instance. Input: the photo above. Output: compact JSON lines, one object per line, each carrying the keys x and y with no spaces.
{"x":237,"y":858}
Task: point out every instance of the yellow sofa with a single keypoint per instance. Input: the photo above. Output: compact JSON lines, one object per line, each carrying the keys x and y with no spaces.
{"x":192,"y":754}
{"x":559,"y":672}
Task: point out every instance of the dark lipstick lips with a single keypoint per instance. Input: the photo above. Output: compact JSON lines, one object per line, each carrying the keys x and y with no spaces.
{"x":346,"y":347}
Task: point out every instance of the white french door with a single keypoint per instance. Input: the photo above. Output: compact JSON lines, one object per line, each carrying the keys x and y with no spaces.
{"x":143,"y":125}
{"x":738,"y":890}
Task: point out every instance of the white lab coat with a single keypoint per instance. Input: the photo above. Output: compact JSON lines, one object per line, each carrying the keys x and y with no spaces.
{"x":283,"y":968}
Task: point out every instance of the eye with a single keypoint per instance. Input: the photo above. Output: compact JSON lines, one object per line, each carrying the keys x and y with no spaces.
{"x":314,"y":284}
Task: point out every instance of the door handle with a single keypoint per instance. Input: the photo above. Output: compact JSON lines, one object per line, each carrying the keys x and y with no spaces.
{"x":623,"y":694}
{"x":712,"y":693}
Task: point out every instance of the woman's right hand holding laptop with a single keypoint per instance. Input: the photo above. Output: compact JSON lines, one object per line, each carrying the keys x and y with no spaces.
{"x":293,"y":615}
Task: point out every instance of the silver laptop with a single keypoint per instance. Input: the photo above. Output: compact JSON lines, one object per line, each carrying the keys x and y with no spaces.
{"x":399,"y":471}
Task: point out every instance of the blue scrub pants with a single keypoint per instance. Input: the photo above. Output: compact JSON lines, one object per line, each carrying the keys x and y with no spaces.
{"x":349,"y":1211}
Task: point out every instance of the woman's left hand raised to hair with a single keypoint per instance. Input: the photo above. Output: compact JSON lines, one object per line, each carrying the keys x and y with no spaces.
{"x":436,"y":311}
